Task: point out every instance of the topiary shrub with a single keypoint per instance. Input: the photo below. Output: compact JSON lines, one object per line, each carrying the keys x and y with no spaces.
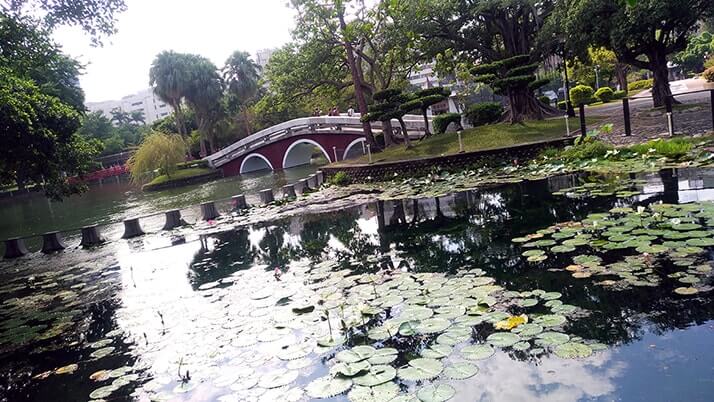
{"x":442,"y":121}
{"x":605,"y":94}
{"x":640,"y":85}
{"x":619,"y":94}
{"x":562,"y":105}
{"x":581,"y":94}
{"x":479,"y":114}
{"x":544,"y":99}
{"x":708,"y":74}
{"x":340,"y":179}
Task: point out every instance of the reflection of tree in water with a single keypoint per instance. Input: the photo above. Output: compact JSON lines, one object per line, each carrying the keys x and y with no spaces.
{"x":232,"y":252}
{"x":274,"y":251}
{"x":317,"y":229}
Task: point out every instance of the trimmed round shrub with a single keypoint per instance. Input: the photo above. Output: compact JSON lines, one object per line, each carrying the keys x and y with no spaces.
{"x":479,"y":114}
{"x":619,"y":94}
{"x":562,"y":105}
{"x":581,"y":94}
{"x":605,"y":94}
{"x":640,"y":85}
{"x":544,"y":99}
{"x":442,"y":121}
{"x":708,"y":74}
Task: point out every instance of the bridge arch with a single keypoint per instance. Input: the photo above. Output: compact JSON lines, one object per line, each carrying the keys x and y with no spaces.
{"x":351,"y":145}
{"x":255,"y":162}
{"x":300,"y":152}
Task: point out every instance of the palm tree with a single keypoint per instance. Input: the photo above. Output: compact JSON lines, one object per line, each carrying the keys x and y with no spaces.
{"x":170,"y":77}
{"x":241,"y":75}
{"x":204,"y":96}
{"x":120,"y":117}
{"x":137,"y":116}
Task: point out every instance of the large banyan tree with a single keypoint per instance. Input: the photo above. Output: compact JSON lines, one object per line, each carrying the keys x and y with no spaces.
{"x":486,"y":32}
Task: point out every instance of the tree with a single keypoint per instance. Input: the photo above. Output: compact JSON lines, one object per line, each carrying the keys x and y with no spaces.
{"x":644,"y":34}
{"x":137,"y":117}
{"x":698,"y":49}
{"x":120,"y":117}
{"x":204,"y":94}
{"x":95,"y":125}
{"x":170,"y":76}
{"x":423,"y":100}
{"x":241,"y":76}
{"x":96,"y":17}
{"x":158,"y":151}
{"x":483,"y":31}
{"x":37,"y":136}
{"x":388,"y":107}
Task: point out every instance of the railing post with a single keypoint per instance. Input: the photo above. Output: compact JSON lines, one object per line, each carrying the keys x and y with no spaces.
{"x":461,"y":142}
{"x":52,"y":242}
{"x":668,"y":100}
{"x":289,"y":192}
{"x":320,"y":177}
{"x":626,"y":115}
{"x":132,"y":228}
{"x":369,"y":153}
{"x":91,"y":236}
{"x":364,"y":150}
{"x":266,"y":196}
{"x":239,"y":202}
{"x":209,"y":211}
{"x":711,"y":103}
{"x":583,"y":127}
{"x":173,"y":219}
{"x":567,"y":125}
{"x":15,"y":248}
{"x":312,"y":181}
{"x":334,"y":152}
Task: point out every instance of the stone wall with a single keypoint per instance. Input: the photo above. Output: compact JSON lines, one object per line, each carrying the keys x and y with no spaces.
{"x":387,"y":170}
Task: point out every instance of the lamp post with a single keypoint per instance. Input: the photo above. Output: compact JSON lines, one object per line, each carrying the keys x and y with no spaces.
{"x":597,"y":76}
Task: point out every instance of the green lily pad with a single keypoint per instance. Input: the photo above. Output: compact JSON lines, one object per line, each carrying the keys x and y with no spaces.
{"x":436,"y":393}
{"x":478,"y":352}
{"x":460,"y":371}
{"x":573,"y":350}
{"x":383,"y":356}
{"x":503,"y":339}
{"x":327,"y":387}
{"x":550,"y":320}
{"x":375,"y":376}
{"x":420,"y":369}
{"x":381,"y":393}
{"x":551,"y":338}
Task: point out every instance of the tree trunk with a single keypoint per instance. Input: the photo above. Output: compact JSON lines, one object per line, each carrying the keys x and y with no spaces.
{"x":387,"y":133}
{"x":426,"y":123}
{"x":178,"y":116}
{"x":405,"y":134}
{"x":357,"y":80}
{"x":621,"y":75}
{"x":523,"y":105}
{"x":660,"y":89}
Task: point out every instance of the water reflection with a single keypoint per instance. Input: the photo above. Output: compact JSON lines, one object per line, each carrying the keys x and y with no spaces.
{"x":197,"y":306}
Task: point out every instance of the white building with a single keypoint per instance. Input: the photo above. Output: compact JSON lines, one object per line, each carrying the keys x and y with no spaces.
{"x":145,"y":101}
{"x":262,"y":57}
{"x":423,"y":77}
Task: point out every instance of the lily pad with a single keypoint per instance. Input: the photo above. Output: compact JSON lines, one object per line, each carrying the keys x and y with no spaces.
{"x":573,"y":350}
{"x":375,"y":376}
{"x":460,"y":371}
{"x":436,"y":393}
{"x":420,"y":369}
{"x":503,"y":339}
{"x":327,"y":387}
{"x":478,"y":352}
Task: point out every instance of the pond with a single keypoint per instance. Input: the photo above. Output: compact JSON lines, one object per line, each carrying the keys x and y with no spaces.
{"x":571,"y":288}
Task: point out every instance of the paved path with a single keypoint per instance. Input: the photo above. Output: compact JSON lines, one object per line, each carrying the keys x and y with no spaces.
{"x":692,"y":117}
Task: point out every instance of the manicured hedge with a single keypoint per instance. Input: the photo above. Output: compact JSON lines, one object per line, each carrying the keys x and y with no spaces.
{"x":581,"y":94}
{"x":479,"y":114}
{"x":604,"y":94}
{"x":640,"y":85}
{"x":442,"y":121}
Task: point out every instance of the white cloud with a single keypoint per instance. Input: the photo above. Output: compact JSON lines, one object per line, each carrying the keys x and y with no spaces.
{"x":212,"y":28}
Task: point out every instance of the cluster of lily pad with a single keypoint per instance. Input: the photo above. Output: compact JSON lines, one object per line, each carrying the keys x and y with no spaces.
{"x":630,"y":246}
{"x":619,"y":188}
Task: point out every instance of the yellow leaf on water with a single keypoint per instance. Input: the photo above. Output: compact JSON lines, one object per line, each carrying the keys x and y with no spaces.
{"x":68,"y":369}
{"x":100,"y":375}
{"x":512,"y":322}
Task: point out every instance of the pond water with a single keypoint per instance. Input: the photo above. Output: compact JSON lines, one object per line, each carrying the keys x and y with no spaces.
{"x":114,"y":201}
{"x":390,"y":301}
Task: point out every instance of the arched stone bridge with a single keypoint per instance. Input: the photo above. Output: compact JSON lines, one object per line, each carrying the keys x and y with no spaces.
{"x":291,"y":143}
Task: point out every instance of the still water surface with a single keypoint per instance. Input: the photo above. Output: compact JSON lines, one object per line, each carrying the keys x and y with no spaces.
{"x":195,"y":323}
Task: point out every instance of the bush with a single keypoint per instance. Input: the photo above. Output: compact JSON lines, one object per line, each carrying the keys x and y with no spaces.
{"x":586,"y":151}
{"x":709,"y":62}
{"x":672,"y":149}
{"x":640,"y":85}
{"x":484,"y":113}
{"x":708,"y":74}
{"x":605,"y":94}
{"x":442,"y":121}
{"x":619,"y":94}
{"x":340,"y":179}
{"x":562,"y":105}
{"x":200,"y":163}
{"x":581,"y":94}
{"x":544,"y":99}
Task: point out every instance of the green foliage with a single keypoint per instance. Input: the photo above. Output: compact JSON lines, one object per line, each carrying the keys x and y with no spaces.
{"x":640,"y":85}
{"x":580,"y":94}
{"x":200,"y":163}
{"x":386,"y":94}
{"x":586,"y":150}
{"x":619,"y":94}
{"x":562,"y":105}
{"x":605,"y":94}
{"x":698,"y":48}
{"x":411,"y":105}
{"x":442,"y":121}
{"x":158,"y":151}
{"x":340,"y":179}
{"x":675,"y":148}
{"x":539,"y":84}
{"x":241,"y":76}
{"x":116,"y":138}
{"x":544,"y":99}
{"x":709,"y":74}
{"x":484,"y":113}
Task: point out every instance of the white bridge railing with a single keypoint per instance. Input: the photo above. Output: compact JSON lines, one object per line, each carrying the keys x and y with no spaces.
{"x":334,"y":125}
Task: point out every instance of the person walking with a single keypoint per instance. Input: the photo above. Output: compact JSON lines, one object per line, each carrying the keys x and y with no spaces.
{"x":351,"y":111}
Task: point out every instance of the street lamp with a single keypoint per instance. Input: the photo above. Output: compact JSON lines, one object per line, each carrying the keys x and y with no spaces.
{"x":597,"y":76}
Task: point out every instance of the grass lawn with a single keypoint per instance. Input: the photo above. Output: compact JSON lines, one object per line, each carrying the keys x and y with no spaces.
{"x":484,"y":137}
{"x":180,"y":174}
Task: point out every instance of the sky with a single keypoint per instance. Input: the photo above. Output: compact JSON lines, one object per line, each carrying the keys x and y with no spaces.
{"x":212,"y":28}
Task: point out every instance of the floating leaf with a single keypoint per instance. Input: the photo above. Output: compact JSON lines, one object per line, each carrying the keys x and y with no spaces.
{"x":478,"y":352}
{"x":278,"y":379}
{"x":552,"y":338}
{"x":550,"y":320}
{"x":503,"y":339}
{"x":327,"y":387}
{"x":350,"y":369}
{"x":436,"y":393}
{"x":437,"y":351}
{"x":460,"y":371}
{"x":573,"y":350}
{"x":433,"y":325}
{"x":68,"y":369}
{"x":512,"y":322}
{"x":420,"y":369}
{"x":376,"y":375}
{"x":383,"y":356}
{"x":356,"y":354}
{"x":686,"y":291}
{"x":381,"y":393}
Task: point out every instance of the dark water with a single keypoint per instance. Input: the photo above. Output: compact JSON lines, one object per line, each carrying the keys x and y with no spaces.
{"x":114,"y":201}
{"x":166,"y":309}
